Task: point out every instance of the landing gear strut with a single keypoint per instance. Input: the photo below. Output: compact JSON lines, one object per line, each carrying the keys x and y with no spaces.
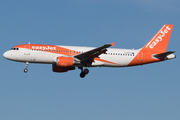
{"x":83,"y":72}
{"x":26,"y":70}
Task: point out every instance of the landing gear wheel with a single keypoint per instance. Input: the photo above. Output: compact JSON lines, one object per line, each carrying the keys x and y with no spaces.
{"x":25,"y":70}
{"x":82,"y":75}
{"x":86,"y":71}
{"x":83,"y":72}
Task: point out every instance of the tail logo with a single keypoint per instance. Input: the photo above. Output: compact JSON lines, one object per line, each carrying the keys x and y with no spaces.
{"x":160,"y":35}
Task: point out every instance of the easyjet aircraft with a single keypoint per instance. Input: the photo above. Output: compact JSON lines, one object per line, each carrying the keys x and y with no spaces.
{"x":65,"y":58}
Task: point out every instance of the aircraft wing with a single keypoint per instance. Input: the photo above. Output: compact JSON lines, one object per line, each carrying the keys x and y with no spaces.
{"x":91,"y":54}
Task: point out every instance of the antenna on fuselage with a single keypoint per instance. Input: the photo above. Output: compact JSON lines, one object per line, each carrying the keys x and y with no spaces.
{"x":29,"y":43}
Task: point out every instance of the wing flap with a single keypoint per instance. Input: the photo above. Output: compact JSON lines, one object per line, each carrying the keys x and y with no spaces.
{"x":94,"y":52}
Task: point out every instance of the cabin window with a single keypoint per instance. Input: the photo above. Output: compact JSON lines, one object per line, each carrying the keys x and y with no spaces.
{"x":14,"y":49}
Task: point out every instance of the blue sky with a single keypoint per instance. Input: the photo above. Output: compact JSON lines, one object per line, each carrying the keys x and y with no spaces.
{"x":140,"y":93}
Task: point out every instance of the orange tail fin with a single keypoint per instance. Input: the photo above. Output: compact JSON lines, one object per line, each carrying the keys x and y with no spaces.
{"x":160,"y":41}
{"x":156,"y":46}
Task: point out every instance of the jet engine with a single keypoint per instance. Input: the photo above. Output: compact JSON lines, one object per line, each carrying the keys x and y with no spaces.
{"x":64,"y":61}
{"x":56,"y":68}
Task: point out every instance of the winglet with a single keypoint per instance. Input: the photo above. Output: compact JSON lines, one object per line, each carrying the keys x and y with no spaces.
{"x":113,"y":44}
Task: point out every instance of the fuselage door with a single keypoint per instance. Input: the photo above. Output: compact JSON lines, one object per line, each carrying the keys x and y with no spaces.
{"x":140,"y":56}
{"x":27,"y":50}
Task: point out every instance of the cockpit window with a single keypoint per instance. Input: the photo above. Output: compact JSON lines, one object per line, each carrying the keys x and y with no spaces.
{"x":14,"y":49}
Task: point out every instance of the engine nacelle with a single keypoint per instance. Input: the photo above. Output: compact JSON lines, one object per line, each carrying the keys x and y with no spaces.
{"x":64,"y":61}
{"x":56,"y":68}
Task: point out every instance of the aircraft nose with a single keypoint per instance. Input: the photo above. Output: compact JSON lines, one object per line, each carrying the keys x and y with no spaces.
{"x":6,"y":55}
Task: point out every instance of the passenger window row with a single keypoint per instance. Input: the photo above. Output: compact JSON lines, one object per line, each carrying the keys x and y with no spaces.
{"x":125,"y":54}
{"x":64,"y":51}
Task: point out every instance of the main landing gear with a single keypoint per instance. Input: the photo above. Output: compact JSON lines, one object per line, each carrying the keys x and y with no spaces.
{"x":83,"y":72}
{"x":26,"y":70}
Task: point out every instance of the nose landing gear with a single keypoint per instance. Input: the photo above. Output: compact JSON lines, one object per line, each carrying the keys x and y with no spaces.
{"x":26,"y":70}
{"x":83,"y":72}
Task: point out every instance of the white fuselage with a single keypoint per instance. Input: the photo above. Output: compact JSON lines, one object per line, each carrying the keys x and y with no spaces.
{"x":121,"y":57}
{"x":65,"y":58}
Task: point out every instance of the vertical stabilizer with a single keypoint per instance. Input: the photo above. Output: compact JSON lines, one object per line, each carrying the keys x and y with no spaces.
{"x":157,"y":45}
{"x":160,"y":41}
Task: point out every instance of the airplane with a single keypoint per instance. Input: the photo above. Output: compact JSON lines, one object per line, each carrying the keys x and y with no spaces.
{"x":65,"y":58}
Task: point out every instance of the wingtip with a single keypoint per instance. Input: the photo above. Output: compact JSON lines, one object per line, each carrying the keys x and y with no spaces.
{"x":113,"y":44}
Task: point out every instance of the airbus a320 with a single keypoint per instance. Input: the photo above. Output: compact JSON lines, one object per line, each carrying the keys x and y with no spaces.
{"x":65,"y":58}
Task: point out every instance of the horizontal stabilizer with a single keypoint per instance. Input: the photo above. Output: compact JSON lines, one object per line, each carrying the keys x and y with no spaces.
{"x":163,"y":54}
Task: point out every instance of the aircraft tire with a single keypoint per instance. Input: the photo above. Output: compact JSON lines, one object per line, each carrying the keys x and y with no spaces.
{"x":82,"y":74}
{"x":25,"y":70}
{"x":86,"y":71}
